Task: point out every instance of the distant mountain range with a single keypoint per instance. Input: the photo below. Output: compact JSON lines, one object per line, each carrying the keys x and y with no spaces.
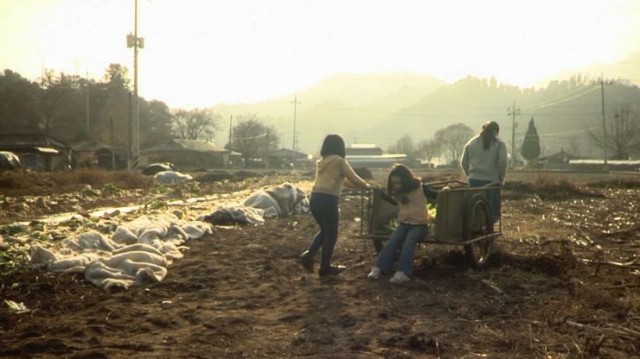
{"x":627,"y":69}
{"x":381,"y":108}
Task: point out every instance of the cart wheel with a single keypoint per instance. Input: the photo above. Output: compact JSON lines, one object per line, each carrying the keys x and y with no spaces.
{"x":478,"y":224}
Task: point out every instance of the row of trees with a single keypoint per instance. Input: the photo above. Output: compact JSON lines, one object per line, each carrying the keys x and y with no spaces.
{"x":75,"y":109}
{"x":620,"y":136}
{"x":447,"y":145}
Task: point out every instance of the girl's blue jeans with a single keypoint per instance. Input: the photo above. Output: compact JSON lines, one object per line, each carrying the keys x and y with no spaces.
{"x":401,"y":246}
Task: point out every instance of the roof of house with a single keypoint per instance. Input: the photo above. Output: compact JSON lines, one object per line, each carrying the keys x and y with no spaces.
{"x":186,"y":145}
{"x":287,"y":153}
{"x":97,"y":146}
{"x":363,"y":149}
{"x":31,"y":142}
{"x":560,"y":156}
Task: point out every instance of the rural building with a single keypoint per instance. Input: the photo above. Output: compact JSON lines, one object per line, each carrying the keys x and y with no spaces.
{"x":37,"y":151}
{"x":283,"y":158}
{"x":598,"y":165}
{"x":91,"y":154}
{"x":370,"y":155}
{"x":364,"y":149}
{"x":187,"y":154}
{"x":558,"y":160}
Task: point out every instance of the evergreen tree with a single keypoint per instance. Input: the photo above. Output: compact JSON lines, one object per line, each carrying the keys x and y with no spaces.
{"x":530,"y":149}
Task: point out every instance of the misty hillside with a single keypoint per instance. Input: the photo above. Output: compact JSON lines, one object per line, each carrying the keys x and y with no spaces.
{"x":382,"y":108}
{"x":564,"y":112}
{"x":347,"y":104}
{"x":627,"y":70}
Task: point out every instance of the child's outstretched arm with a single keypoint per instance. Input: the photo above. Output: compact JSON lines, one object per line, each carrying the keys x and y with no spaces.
{"x":352,"y":179}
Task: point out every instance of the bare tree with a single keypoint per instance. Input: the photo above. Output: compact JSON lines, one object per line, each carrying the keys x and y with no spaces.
{"x":404,"y":145}
{"x":428,"y":149}
{"x":622,"y":136}
{"x":195,"y":124}
{"x":453,"y":138}
{"x":252,"y":138}
{"x":53,"y":90}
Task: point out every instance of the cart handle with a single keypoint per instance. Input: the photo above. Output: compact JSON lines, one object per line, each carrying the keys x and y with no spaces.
{"x":384,"y":195}
{"x":444,"y":182}
{"x":493,"y":185}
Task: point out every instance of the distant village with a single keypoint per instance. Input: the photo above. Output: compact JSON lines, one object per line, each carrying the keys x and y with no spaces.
{"x":40,"y":152}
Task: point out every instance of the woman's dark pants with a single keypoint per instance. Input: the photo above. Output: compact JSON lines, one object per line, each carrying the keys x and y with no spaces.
{"x":493,"y":196}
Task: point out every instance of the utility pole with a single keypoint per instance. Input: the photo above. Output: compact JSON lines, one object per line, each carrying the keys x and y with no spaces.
{"x":604,"y":127}
{"x":295,"y":106}
{"x":293,"y":147}
{"x":230,"y":130}
{"x":513,"y":111}
{"x":267,"y":165}
{"x":87,"y":108}
{"x":135,"y":42}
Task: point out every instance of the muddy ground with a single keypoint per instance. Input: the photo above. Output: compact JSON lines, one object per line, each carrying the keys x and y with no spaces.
{"x":563,"y":282}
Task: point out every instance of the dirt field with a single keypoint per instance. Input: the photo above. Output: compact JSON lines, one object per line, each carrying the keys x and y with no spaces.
{"x":563,"y":282}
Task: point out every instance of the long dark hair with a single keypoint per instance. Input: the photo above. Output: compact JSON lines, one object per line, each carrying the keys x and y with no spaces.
{"x":333,"y":145}
{"x":408,"y":181}
{"x":490,"y":130}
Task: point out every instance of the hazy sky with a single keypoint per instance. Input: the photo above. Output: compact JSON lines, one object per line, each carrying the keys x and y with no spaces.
{"x":203,"y":52}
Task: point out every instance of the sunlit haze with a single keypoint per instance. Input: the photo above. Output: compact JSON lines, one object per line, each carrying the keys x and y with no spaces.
{"x":201,"y":53}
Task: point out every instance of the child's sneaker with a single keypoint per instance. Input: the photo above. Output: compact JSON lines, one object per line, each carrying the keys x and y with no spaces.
{"x":374,"y":274}
{"x":306,"y":260}
{"x":399,"y":278}
{"x":333,"y":270}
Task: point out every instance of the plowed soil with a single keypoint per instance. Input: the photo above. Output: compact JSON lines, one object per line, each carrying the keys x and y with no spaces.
{"x":563,"y":282}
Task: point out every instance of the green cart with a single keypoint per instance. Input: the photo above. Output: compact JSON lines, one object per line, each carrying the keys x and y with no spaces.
{"x":462,"y":218}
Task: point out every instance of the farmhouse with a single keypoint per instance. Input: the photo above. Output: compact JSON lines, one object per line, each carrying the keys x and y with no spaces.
{"x":370,"y":155}
{"x":37,"y":151}
{"x":97,"y":154}
{"x":284,"y":158}
{"x":187,"y":154}
{"x":558,"y":160}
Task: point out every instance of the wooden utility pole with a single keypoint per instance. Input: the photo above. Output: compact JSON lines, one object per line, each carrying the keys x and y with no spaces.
{"x":604,"y":127}
{"x":137,"y":43}
{"x":267,"y":148}
{"x":295,"y":106}
{"x":87,"y":108}
{"x":513,"y":111}
{"x":293,"y":147}
{"x":230,"y":130}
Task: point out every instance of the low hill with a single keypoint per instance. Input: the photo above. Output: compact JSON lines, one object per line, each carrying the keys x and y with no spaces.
{"x":382,"y":108}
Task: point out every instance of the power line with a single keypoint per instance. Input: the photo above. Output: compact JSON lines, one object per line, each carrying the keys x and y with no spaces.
{"x":564,"y":98}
